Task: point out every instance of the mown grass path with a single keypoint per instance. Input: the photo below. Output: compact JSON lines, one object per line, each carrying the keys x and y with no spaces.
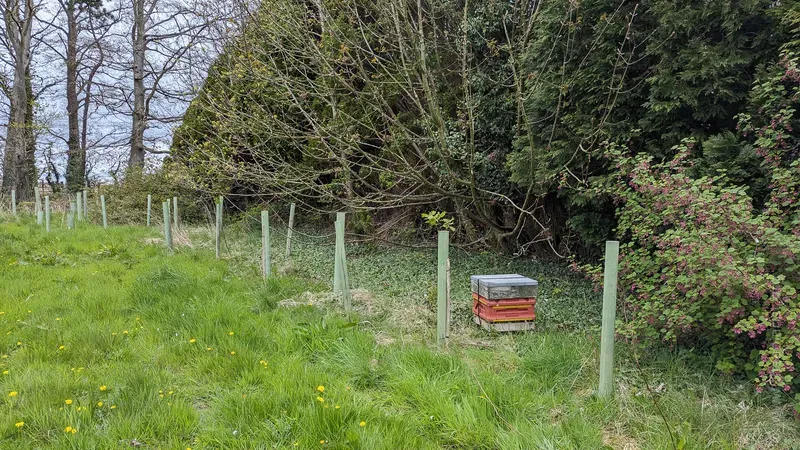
{"x":108,"y":342}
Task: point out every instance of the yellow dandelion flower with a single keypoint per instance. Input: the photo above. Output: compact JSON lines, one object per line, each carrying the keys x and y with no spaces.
{"x":320,"y":399}
{"x":321,"y":388}
{"x":161,"y":395}
{"x":61,"y":347}
{"x":233,"y":353}
{"x":68,"y":429}
{"x":74,"y":431}
{"x":19,"y":424}
{"x":5,"y":372}
{"x":58,"y":318}
{"x":99,"y":404}
{"x":80,"y":408}
{"x":19,"y":343}
{"x":337,"y":406}
{"x":192,"y":340}
{"x":125,"y":332}
{"x":68,"y":401}
{"x":114,"y":333}
{"x":230,"y":333}
{"x":103,"y":387}
{"x":362,"y":424}
{"x":4,"y":356}
{"x":208,"y":349}
{"x":169,"y":393}
{"x":13,"y":394}
{"x":347,"y":387}
{"x":113,"y":406}
{"x":322,"y":441}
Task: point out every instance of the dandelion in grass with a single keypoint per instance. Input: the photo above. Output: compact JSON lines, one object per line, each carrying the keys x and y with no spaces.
{"x":208,"y":349}
{"x":321,"y":388}
{"x":19,"y":343}
{"x":58,"y":318}
{"x":61,"y":347}
{"x":68,"y":430}
{"x":125,"y":332}
{"x":13,"y":394}
{"x":320,"y":399}
{"x":322,"y":441}
{"x":80,"y":408}
{"x":19,"y":424}
{"x":114,"y":333}
{"x":103,"y":387}
{"x":362,"y":424}
{"x":230,"y":333}
{"x":113,"y":406}
{"x":99,"y":404}
{"x":337,"y":406}
{"x":192,"y":340}
{"x":68,"y":401}
{"x":233,"y":352}
{"x":5,"y":372}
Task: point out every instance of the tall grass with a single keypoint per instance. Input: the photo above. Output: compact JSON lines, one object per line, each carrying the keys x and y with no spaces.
{"x":176,"y":351}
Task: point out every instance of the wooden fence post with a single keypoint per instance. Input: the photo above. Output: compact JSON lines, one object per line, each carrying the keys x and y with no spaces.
{"x":71,"y":215}
{"x":79,"y":210}
{"x":38,"y":205}
{"x":337,"y":257}
{"x":167,"y":230}
{"x":289,"y":232}
{"x":344,"y":281}
{"x":175,"y":211}
{"x":149,"y":207}
{"x":14,"y":202}
{"x":606,"y":387}
{"x":441,"y":288}
{"x":85,"y":205}
{"x":103,"y":208}
{"x":218,"y":228}
{"x":47,"y":213}
{"x":266,"y":261}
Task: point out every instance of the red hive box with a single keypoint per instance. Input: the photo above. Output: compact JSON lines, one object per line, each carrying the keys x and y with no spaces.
{"x":511,"y":310}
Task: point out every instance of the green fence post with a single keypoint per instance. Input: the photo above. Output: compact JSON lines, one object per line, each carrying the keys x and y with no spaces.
{"x":47,"y":213}
{"x":289,"y":232}
{"x":71,"y":215}
{"x":344,"y":280}
{"x":79,"y":210}
{"x":14,"y":202}
{"x":85,"y":205}
{"x":149,"y":207}
{"x":441,"y":287}
{"x":337,"y":257}
{"x":218,"y":229}
{"x":266,"y":261}
{"x":38,"y":205}
{"x":175,"y":211}
{"x":167,"y":230}
{"x":606,"y":387}
{"x":103,"y":208}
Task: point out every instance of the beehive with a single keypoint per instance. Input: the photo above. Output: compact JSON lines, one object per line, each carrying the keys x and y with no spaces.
{"x":504,"y":302}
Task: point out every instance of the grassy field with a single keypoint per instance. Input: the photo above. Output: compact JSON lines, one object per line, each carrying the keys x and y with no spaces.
{"x":107,"y":341}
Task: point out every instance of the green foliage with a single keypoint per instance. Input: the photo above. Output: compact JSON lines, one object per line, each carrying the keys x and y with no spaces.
{"x":126,"y":202}
{"x":438,"y":219}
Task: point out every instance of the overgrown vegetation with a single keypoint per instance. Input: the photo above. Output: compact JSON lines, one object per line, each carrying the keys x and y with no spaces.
{"x":109,"y":341}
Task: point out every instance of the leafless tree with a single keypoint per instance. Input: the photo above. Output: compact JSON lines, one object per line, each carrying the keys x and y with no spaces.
{"x":18,"y":168}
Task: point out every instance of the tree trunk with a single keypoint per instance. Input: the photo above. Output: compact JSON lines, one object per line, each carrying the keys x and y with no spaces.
{"x":75,"y":153}
{"x":139,"y":114}
{"x":18,"y":17}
